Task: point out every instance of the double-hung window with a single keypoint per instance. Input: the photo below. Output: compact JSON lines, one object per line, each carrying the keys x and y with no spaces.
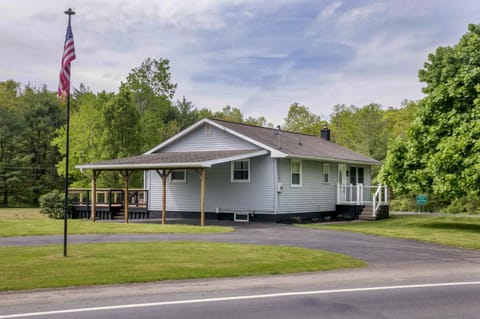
{"x":240,"y":171}
{"x":357,"y":175}
{"x":326,"y":173}
{"x":296,"y":173}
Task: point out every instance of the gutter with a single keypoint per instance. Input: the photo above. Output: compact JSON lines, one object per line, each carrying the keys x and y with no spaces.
{"x":334,"y":160}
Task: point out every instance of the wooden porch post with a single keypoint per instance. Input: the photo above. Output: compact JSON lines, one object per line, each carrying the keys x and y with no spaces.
{"x":125,"y":199}
{"x":94,"y":196}
{"x":202,"y":197}
{"x":164,"y":174}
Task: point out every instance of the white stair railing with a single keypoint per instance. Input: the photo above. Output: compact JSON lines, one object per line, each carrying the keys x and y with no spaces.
{"x":377,"y":199}
{"x":360,"y":194}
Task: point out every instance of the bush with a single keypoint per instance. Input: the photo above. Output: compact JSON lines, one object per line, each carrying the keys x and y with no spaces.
{"x":469,"y":204}
{"x":404,"y":203}
{"x":52,"y":204}
{"x":407,"y":203}
{"x":296,"y":220}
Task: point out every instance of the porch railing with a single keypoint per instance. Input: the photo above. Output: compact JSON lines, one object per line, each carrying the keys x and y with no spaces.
{"x":363,"y":195}
{"x":108,"y":197}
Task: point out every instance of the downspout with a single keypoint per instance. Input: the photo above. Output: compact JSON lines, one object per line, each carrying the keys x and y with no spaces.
{"x":277,"y":190}
{"x":275,"y":185}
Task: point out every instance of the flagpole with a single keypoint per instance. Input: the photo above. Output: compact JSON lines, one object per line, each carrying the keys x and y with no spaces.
{"x":69,"y":12}
{"x":67,"y":147}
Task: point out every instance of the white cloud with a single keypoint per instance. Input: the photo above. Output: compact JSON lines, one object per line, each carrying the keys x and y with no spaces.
{"x":359,"y":13}
{"x":329,"y":10}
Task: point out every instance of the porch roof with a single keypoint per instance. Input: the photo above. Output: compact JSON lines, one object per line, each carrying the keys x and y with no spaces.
{"x":173,"y":160}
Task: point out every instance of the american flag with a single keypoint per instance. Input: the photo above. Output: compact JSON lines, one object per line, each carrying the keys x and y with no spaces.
{"x":68,"y":56}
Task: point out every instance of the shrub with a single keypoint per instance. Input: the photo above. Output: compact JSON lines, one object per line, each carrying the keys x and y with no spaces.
{"x":407,"y":203}
{"x":296,"y":220}
{"x":469,"y":204}
{"x":404,"y":203}
{"x":52,"y":204}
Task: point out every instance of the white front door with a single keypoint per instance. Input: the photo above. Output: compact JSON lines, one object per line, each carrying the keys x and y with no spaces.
{"x":342,"y":182}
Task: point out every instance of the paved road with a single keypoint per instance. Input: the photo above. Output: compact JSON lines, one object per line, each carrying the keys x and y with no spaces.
{"x":440,"y":301}
{"x":393,"y":262}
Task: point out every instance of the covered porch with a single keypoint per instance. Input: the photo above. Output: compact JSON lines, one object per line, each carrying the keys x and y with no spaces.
{"x":368,"y":202}
{"x":164,"y":164}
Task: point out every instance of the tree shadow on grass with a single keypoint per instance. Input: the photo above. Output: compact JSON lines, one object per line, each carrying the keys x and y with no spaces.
{"x":453,"y":226}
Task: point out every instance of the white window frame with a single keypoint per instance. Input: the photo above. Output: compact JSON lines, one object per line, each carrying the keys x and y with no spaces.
{"x":184,"y":180}
{"x":232,"y":170}
{"x":300,"y":179}
{"x":326,"y":173}
{"x":357,"y":175}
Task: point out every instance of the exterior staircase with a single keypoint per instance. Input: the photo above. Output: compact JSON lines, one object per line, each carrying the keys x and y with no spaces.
{"x":120,"y":214}
{"x":367,"y":213}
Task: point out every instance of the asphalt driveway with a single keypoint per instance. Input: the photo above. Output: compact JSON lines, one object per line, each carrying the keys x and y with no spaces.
{"x":377,"y":251}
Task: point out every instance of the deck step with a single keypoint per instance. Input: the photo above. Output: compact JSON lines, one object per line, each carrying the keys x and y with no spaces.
{"x":119,"y":215}
{"x":369,"y":218}
{"x":367,"y":214}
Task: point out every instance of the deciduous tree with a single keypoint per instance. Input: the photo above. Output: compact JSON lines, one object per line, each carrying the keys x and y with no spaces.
{"x":301,"y":120}
{"x":442,"y":144}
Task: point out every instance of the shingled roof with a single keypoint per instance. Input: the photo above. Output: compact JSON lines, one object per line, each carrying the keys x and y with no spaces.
{"x":174,"y":160}
{"x":296,"y":145}
{"x":280,"y":144}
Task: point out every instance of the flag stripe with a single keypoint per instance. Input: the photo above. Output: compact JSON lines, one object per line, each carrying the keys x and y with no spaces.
{"x":67,"y":58}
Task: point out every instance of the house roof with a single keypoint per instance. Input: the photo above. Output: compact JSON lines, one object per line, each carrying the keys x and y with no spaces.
{"x":174,"y":160}
{"x":295,"y":145}
{"x":280,"y":144}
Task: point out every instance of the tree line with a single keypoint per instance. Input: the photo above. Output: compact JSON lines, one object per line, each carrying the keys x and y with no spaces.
{"x":429,"y":146}
{"x":141,"y":115}
{"x":103,"y":125}
{"x":29,"y":120}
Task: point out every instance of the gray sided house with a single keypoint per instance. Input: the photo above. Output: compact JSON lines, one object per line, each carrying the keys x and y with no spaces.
{"x":236,"y":171}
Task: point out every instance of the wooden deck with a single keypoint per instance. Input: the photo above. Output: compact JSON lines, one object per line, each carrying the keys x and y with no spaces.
{"x":109,"y":203}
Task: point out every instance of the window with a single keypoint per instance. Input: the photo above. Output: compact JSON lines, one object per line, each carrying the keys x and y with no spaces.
{"x":361,"y":174}
{"x":326,"y":173}
{"x":240,"y":171}
{"x":357,"y":175}
{"x":296,"y":173}
{"x":178,"y":176}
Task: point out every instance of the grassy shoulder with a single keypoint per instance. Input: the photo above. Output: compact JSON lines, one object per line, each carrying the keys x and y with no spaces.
{"x":98,"y":264}
{"x":463,"y":232}
{"x":29,"y":222}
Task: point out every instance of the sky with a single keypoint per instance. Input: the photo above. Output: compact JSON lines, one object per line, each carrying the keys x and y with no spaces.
{"x":258,"y":56}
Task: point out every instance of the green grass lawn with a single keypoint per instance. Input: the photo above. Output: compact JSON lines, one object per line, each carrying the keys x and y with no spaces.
{"x":454,"y":231}
{"x":29,"y":222}
{"x":96,"y":264}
